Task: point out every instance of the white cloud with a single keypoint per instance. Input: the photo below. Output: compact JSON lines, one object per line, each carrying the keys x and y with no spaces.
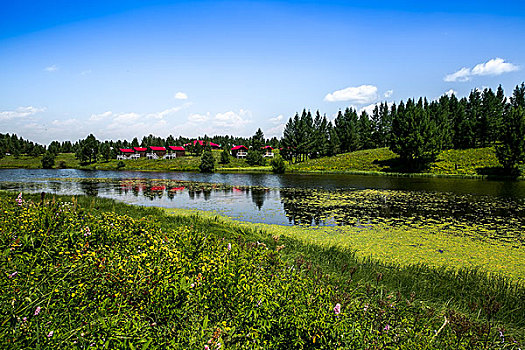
{"x":495,"y":66}
{"x":181,"y":96}
{"x":20,"y":112}
{"x":198,"y":118}
{"x":101,"y":116}
{"x":232,"y":119}
{"x":360,"y":94}
{"x":66,"y":123}
{"x":52,"y":68}
{"x":126,"y":117}
{"x":461,"y":75}
{"x":277,"y":120}
{"x":276,"y":131}
{"x":167,"y":112}
{"x":388,"y":93}
{"x":370,"y":108}
{"x":451,"y":92}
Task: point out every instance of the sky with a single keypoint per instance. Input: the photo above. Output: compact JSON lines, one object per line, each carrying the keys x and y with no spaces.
{"x":125,"y":69}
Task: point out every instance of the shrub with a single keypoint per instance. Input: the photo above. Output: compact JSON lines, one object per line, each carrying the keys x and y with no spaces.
{"x":278,"y":165}
{"x":48,"y":160}
{"x":255,"y":158}
{"x":207,"y":162}
{"x":225,"y":157}
{"x":120,"y":164}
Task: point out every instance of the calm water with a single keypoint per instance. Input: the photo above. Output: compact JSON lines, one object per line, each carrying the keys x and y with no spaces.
{"x":290,"y":199}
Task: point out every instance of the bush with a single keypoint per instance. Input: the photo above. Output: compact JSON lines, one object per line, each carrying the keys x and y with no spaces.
{"x":278,"y":165}
{"x":225,"y":157}
{"x":207,"y":162}
{"x":48,"y":160}
{"x":120,"y":164}
{"x":62,"y":164}
{"x":255,"y":158}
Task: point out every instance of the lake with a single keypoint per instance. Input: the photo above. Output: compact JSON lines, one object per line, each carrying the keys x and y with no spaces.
{"x":495,"y":208}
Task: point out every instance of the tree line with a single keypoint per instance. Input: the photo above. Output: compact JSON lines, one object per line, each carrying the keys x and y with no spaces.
{"x":417,"y":130}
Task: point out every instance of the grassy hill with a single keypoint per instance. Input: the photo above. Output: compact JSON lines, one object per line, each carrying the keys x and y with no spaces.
{"x":473,"y":162}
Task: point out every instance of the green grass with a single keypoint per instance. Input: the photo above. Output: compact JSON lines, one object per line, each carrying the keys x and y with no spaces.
{"x":107,"y":275}
{"x":476,"y":162}
{"x":463,"y":163}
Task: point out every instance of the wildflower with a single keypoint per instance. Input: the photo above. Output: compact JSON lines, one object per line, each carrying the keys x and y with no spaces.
{"x":19,"y":199}
{"x":502,"y":336}
{"x":50,"y":334}
{"x":37,"y":310}
{"x":192,"y":285}
{"x":337,"y":309}
{"x":229,"y":246}
{"x":206,"y":347}
{"x":365,"y":308}
{"x":387,"y":328}
{"x":88,"y":232}
{"x":13,"y":274}
{"x":24,"y":319}
{"x":218,"y":346}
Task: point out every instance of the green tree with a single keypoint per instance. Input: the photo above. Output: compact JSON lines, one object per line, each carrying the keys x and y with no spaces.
{"x":413,"y":134}
{"x":207,"y":161}
{"x":225,"y":157}
{"x":255,"y":158}
{"x":511,"y":150}
{"x":48,"y":160}
{"x":278,"y":165}
{"x":105,"y":151}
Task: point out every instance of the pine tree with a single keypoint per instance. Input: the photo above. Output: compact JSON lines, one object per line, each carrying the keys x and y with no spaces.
{"x":48,"y":160}
{"x":413,"y":134}
{"x":364,"y":131}
{"x":207,"y":161}
{"x":511,"y":151}
{"x":225,"y":157}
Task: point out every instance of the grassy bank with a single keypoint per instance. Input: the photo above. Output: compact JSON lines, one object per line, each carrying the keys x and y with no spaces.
{"x":479,"y":162}
{"x":476,"y":162}
{"x":92,"y":272}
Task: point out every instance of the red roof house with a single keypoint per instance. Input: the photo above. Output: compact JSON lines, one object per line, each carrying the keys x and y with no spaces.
{"x":240,"y":151}
{"x":268,"y":151}
{"x":141,"y":150}
{"x":158,"y":151}
{"x":201,"y":142}
{"x":179,"y":151}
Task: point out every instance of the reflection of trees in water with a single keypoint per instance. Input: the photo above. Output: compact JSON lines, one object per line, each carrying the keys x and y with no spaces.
{"x":89,"y":188}
{"x":259,"y":195}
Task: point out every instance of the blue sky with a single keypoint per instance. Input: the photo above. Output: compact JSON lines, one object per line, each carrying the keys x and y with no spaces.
{"x":121,"y":69}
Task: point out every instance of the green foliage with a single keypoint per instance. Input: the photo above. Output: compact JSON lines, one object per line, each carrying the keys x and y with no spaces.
{"x":225,"y":157}
{"x":255,"y":157}
{"x":48,"y":160}
{"x":207,"y":161}
{"x":511,"y":151}
{"x":278,"y":165}
{"x":120,"y":164}
{"x":129,"y":277}
{"x":414,"y":135}
{"x":87,"y":149}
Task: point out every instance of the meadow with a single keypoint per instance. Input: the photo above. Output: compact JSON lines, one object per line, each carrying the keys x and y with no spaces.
{"x":475,"y":162}
{"x":83,"y":272}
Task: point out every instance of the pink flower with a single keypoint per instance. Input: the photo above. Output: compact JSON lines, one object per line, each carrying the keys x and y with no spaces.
{"x":50,"y":334}
{"x":206,"y":347}
{"x":19,"y":199}
{"x":229,"y":246}
{"x":24,"y":319}
{"x":37,"y":310}
{"x":13,"y":274}
{"x":337,"y":309}
{"x":387,"y":328}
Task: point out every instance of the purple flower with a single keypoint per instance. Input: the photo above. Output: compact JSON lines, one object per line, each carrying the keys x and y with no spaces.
{"x":13,"y":274}
{"x":387,"y":328}
{"x":24,"y":319}
{"x":206,"y":347}
{"x":88,"y":232}
{"x":229,"y":246}
{"x":218,"y":346}
{"x":19,"y":199}
{"x":37,"y":310}
{"x":337,"y":309}
{"x":50,"y":334}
